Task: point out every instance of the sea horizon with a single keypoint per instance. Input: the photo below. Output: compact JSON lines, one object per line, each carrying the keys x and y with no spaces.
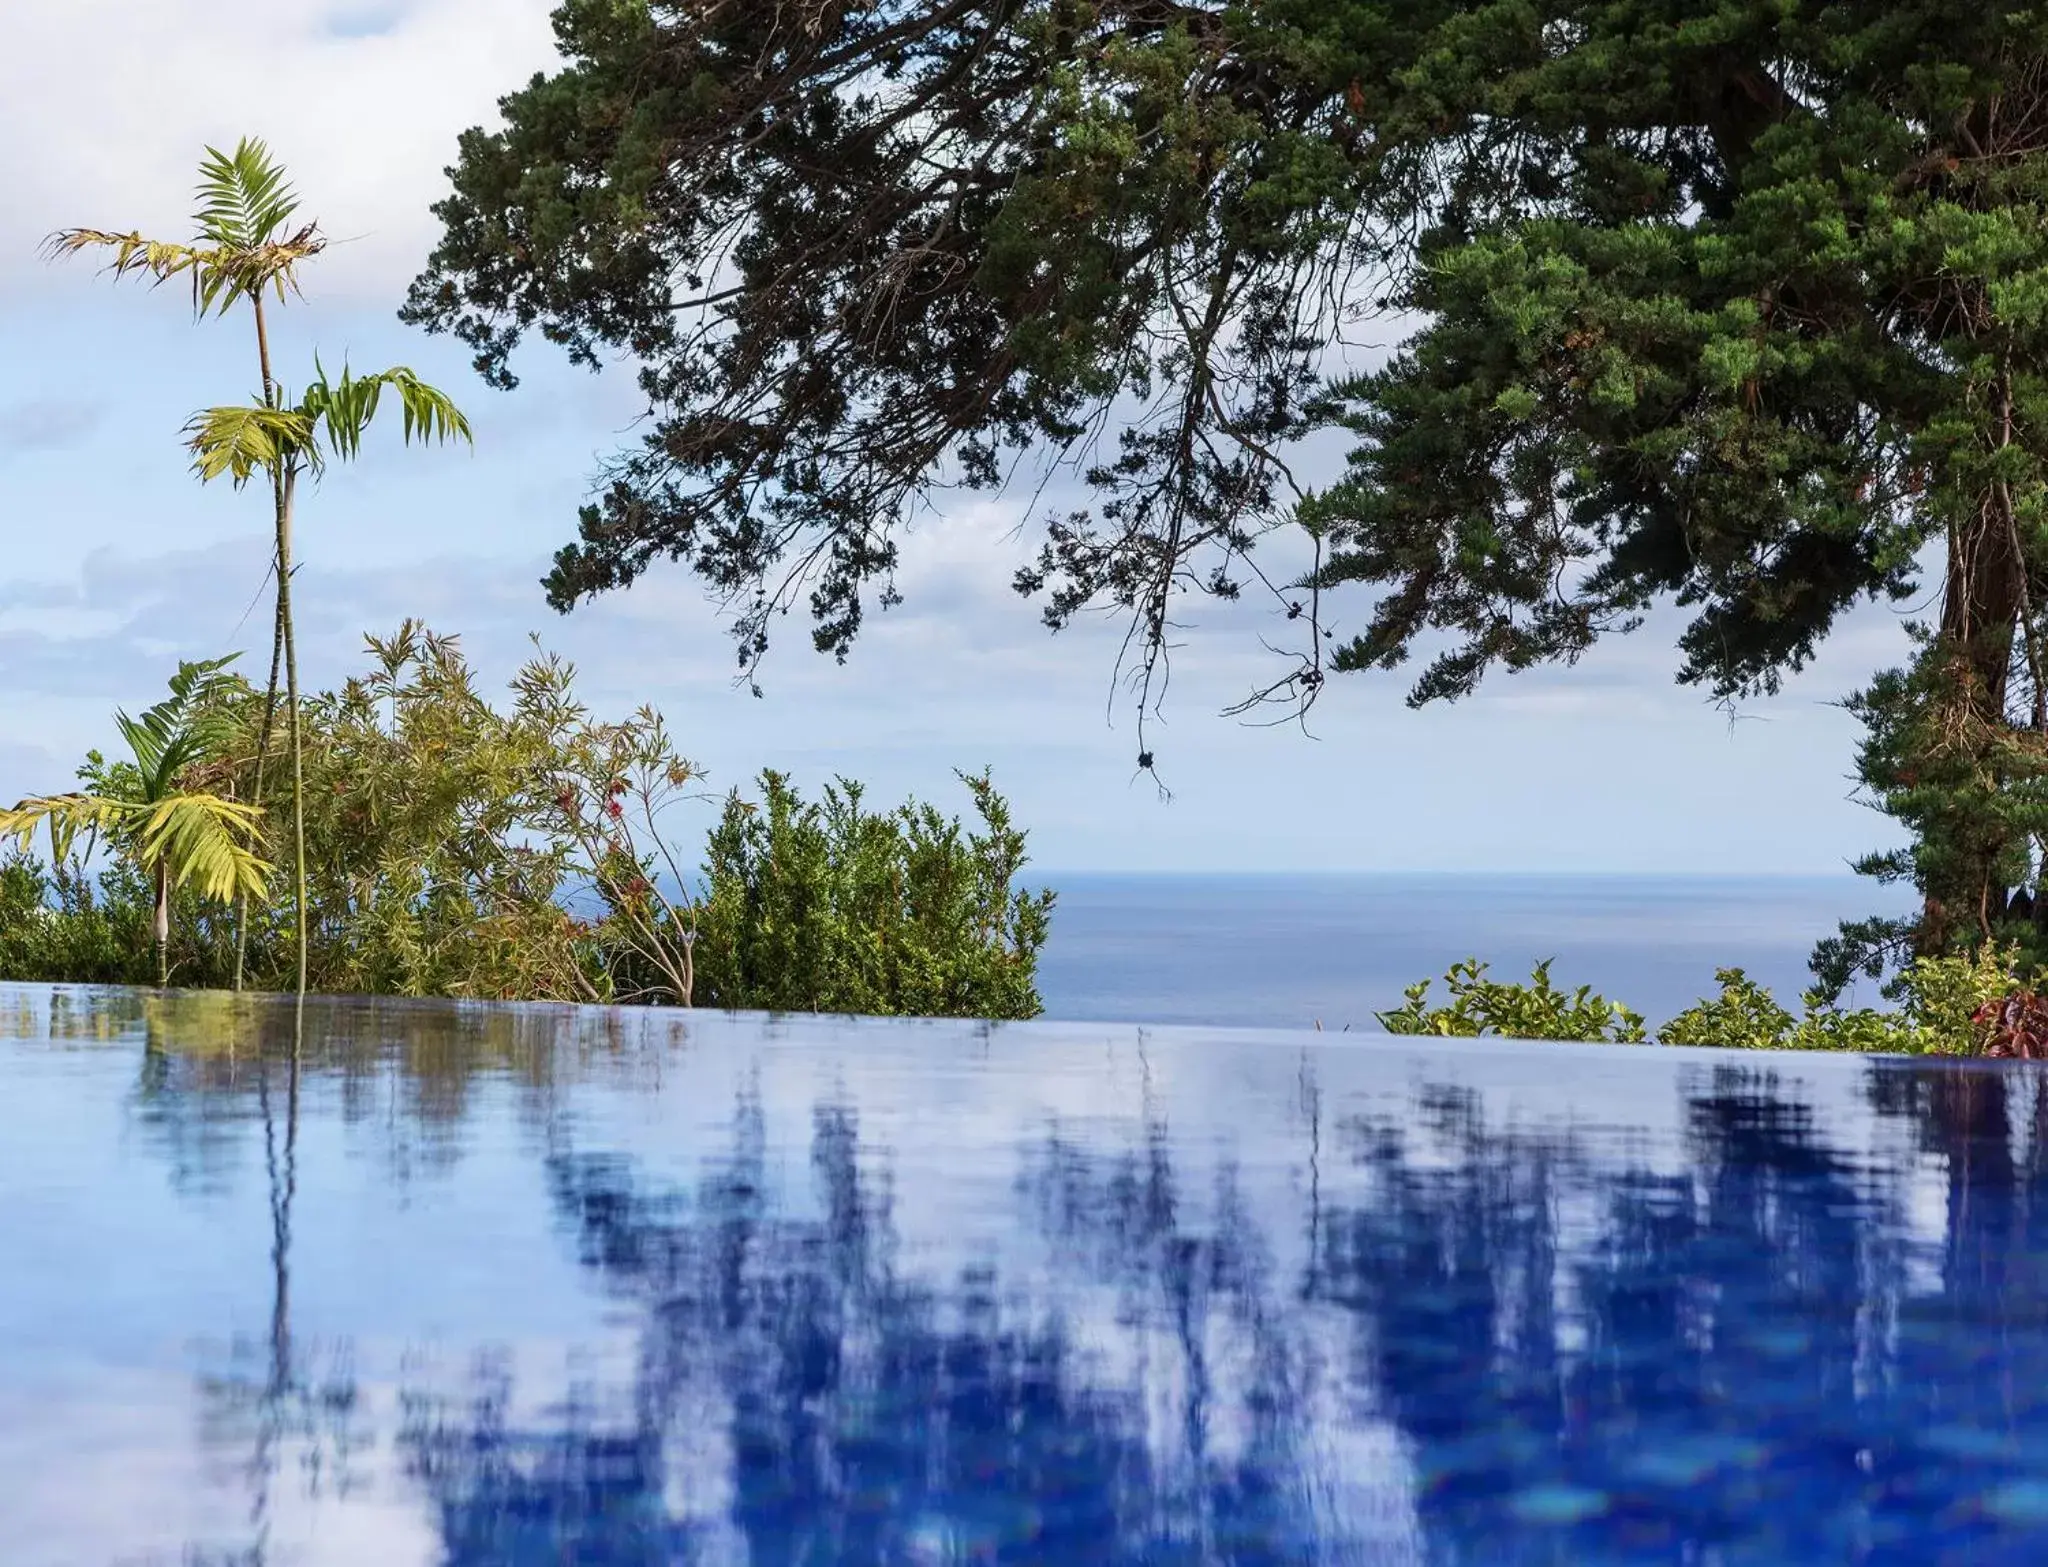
{"x":1331,"y":949}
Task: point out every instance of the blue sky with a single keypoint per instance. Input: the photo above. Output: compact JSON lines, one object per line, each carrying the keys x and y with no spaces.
{"x":118,"y":563}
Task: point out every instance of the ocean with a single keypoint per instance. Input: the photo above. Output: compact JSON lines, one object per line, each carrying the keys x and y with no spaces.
{"x":1297,"y":950}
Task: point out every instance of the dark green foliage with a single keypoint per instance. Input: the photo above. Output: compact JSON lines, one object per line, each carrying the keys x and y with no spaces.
{"x":1714,"y":298}
{"x":829,"y":907}
{"x":1736,"y":305}
{"x":60,"y":926}
{"x":1973,"y":790}
{"x":860,"y":250}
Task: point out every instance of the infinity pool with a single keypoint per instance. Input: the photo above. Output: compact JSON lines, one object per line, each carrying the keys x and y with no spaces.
{"x":425,"y":1283}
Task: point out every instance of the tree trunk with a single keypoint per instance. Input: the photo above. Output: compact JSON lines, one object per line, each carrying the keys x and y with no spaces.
{"x":1983,"y":597}
{"x":161,"y":924}
{"x":280,"y":491}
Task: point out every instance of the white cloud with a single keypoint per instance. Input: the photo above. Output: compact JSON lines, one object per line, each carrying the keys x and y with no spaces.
{"x":105,"y":106}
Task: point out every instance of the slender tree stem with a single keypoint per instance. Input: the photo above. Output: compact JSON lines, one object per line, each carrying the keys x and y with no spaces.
{"x":263,"y":351}
{"x":262,"y":758}
{"x":281,"y":504}
{"x":162,"y":924}
{"x":291,"y":677}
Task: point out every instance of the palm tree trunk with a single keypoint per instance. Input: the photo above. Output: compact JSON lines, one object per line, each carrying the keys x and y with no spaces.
{"x":1983,"y":616}
{"x":291,"y":678}
{"x":262,"y":757}
{"x":281,"y":495}
{"x":286,"y":482}
{"x":162,"y":924}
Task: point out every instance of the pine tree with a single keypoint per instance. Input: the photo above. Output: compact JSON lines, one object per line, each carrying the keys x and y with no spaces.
{"x":1740,"y":304}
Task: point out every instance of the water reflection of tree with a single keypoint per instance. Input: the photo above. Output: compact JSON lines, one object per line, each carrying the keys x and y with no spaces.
{"x":269,"y":1400}
{"x":1733,"y":1359}
{"x":409,"y":1071}
{"x":1585,"y":1364}
{"x":1745,"y":1354}
{"x":869,"y":1416}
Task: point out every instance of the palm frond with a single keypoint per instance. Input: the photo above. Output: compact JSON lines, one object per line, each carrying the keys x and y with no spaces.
{"x":151,"y":744}
{"x":243,"y":249}
{"x":195,"y":685}
{"x":197,"y":678}
{"x":430,"y":414}
{"x":346,"y":408}
{"x":195,"y":836}
{"x":243,"y":439}
{"x":245,"y":202}
{"x":66,"y":816}
{"x":160,"y":259}
{"x":177,"y":731}
{"x":244,"y":197}
{"x":220,"y":275}
{"x":247,"y":274}
{"x":203,"y":839}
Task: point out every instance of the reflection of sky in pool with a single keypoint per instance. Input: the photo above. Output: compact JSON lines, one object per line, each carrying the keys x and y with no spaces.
{"x":502,"y":1285}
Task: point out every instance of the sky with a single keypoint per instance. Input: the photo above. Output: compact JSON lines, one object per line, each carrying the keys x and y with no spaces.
{"x":118,"y":563}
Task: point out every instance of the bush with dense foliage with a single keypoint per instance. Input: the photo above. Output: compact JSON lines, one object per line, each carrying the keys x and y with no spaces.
{"x":828,"y":906}
{"x":1537,"y":1010}
{"x":62,"y":924}
{"x":526,"y":852}
{"x":1948,"y":1006}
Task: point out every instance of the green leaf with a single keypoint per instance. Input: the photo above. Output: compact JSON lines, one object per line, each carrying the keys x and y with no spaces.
{"x":343,"y":410}
{"x":202,"y":839}
{"x":244,"y":197}
{"x":247,"y":438}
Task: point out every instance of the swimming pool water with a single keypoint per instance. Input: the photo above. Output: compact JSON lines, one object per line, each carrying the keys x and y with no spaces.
{"x":433,"y":1283}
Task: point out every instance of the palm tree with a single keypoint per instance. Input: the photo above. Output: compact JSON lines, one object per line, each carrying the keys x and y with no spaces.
{"x":328,"y":422}
{"x":151,"y":812}
{"x":247,"y":249}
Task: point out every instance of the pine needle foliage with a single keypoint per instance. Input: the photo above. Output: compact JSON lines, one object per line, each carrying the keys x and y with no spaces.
{"x":1727,"y":309}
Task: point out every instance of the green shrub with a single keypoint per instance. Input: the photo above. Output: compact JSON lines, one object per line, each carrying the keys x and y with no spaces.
{"x":1939,"y":999}
{"x":828,"y":907}
{"x":1537,"y":1010}
{"x":62,"y":926}
{"x":1942,"y":1010}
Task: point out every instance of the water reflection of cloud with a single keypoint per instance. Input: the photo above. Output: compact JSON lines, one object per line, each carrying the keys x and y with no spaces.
{"x":749,"y":1288}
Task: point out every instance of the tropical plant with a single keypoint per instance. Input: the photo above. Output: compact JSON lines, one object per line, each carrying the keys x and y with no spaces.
{"x":154,"y":811}
{"x":528,"y":851}
{"x":510,"y":853}
{"x":247,"y":249}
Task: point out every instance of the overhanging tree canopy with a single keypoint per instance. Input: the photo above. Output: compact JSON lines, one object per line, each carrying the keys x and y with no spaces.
{"x":1739,"y":303}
